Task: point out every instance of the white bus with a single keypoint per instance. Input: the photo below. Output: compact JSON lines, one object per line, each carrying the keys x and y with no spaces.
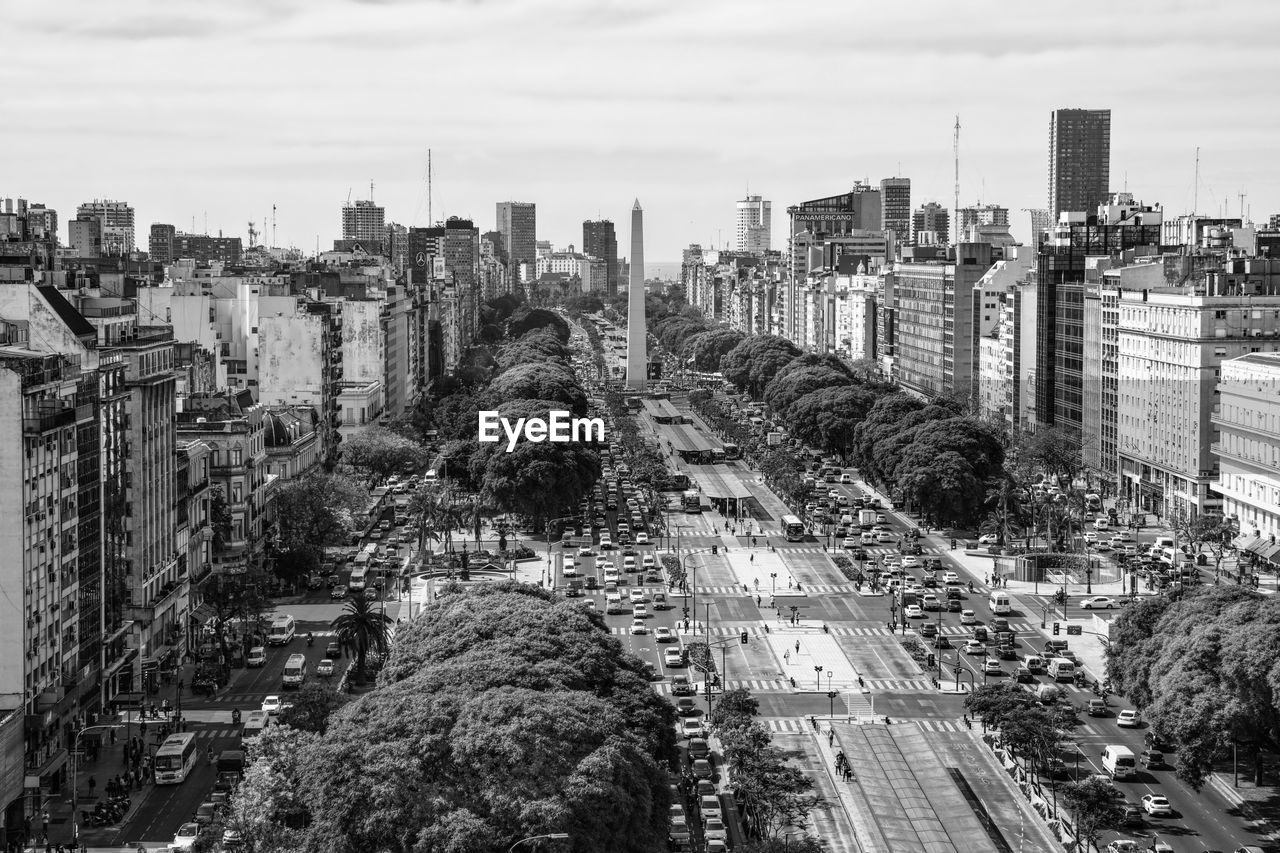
{"x":281,"y":631}
{"x":792,"y":528}
{"x":999,"y":602}
{"x":295,"y":670}
{"x":359,"y":577}
{"x":366,"y":554}
{"x":175,"y":758}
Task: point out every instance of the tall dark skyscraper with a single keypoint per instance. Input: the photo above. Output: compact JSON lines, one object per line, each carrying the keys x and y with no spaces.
{"x":895,"y":207}
{"x":600,"y":241}
{"x":1079,"y":160}
{"x":518,"y":222}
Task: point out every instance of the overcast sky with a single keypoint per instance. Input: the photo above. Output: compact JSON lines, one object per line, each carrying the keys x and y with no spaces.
{"x":224,"y":109}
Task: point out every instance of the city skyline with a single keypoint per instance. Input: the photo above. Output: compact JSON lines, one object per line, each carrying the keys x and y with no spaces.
{"x":202,"y":163}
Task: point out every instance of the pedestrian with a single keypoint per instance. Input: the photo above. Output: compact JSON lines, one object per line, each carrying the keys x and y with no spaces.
{"x":814,"y":720}
{"x":752,"y":559}
{"x":113,"y":736}
{"x":757,"y":601}
{"x":831,"y":737}
{"x":860,"y":684}
{"x":92,"y":784}
{"x":797,"y":641}
{"x":44,"y":823}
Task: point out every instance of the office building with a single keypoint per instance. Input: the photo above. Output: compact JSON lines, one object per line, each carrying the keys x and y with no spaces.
{"x":930,"y":225}
{"x":362,"y":220}
{"x":1079,"y":160}
{"x":895,"y":208}
{"x":754,"y":224}
{"x":518,"y":224}
{"x":166,"y":244}
{"x":1247,"y":449}
{"x":115,"y":224}
{"x":600,"y":241}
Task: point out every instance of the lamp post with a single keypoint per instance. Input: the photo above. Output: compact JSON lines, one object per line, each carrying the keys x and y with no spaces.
{"x":831,"y":704}
{"x":552,"y":835}
{"x":773,"y":590}
{"x":818,"y":671}
{"x":75,"y":790}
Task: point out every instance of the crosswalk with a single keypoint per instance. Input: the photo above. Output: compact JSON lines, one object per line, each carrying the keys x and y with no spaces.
{"x":755,"y":685}
{"x":873,"y":551}
{"x":949,"y":630}
{"x":801,"y":725}
{"x":764,"y":591}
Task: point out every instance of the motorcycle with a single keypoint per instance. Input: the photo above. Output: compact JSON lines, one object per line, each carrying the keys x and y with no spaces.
{"x":310,"y":640}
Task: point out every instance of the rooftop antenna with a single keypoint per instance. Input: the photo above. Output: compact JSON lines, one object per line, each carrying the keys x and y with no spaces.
{"x":1242,"y":194}
{"x":1195,"y":195}
{"x":371,"y":190}
{"x":273,"y":226}
{"x":430,"y":219}
{"x":206,"y":223}
{"x":956,"y":225}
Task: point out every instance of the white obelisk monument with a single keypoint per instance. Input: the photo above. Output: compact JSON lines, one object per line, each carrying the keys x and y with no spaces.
{"x":637,"y":341}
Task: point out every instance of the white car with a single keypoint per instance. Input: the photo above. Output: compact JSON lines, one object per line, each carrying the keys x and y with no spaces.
{"x":1156,"y":805}
{"x":585,"y":551}
{"x":606,"y":566}
{"x":638,"y":627}
{"x":914,"y":612}
{"x":185,"y":837}
{"x":988,"y":539}
{"x":968,"y":617}
{"x":640,"y":611}
{"x":910,"y":561}
{"x":1098,"y":602}
{"x":851,"y":544}
{"x":647,"y":562}
{"x":642,"y":538}
{"x":1101,"y":523}
{"x":846,"y":478}
{"x":637,"y":596}
{"x":570,"y":569}
{"x":1129,"y":719}
{"x":951,"y":578}
{"x":1089,"y":536}
{"x":884,"y":536}
{"x":930,"y":602}
{"x":692,"y":727}
{"x":664,"y":635}
{"x":271,"y":705}
{"x":974,"y":647}
{"x":673,"y":657}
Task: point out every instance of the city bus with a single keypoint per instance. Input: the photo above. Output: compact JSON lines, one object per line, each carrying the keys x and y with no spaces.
{"x":359,"y":577}
{"x":718,"y":454}
{"x":175,"y":758}
{"x":366,"y":554}
{"x":792,"y":528}
{"x":691,"y":501}
{"x":732,"y":451}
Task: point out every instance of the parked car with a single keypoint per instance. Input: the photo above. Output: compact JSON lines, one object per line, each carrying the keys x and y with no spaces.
{"x":1157,"y":805}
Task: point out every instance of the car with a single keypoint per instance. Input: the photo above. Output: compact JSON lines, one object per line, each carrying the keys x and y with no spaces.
{"x":910,"y":561}
{"x":673,"y":657}
{"x":968,"y":617}
{"x":640,"y":611}
{"x":692,"y":727}
{"x":1089,"y":536}
{"x":333,"y":649}
{"x":702,"y":769}
{"x":324,"y":669}
{"x":1157,"y":805}
{"x":941,"y":642}
{"x":637,"y":596}
{"x":988,"y":539}
{"x":664,"y":635}
{"x":974,"y":647}
{"x":682,"y":686}
{"x":371,"y":593}
{"x":1102,"y":523}
{"x":206,"y":813}
{"x":991,"y":666}
{"x":337,"y":591}
{"x":1097,"y":708}
{"x":928,"y":629}
{"x":639,"y":627}
{"x":1097,"y":602}
{"x":185,"y":837}
{"x":1022,"y":675}
{"x":699,"y":748}
{"x":954,"y":605}
{"x":913,"y":611}
{"x":1123,"y":845}
{"x":642,"y":538}
{"x":1129,"y":719}
{"x":648,"y":562}
{"x":1152,"y":758}
{"x":950,"y":578}
{"x":257,"y":657}
{"x":980,"y":633}
{"x":714,"y":829}
{"x":999,"y":623}
{"x":931,"y":602}
{"x":271,"y":705}
{"x":585,"y":551}
{"x":570,"y":569}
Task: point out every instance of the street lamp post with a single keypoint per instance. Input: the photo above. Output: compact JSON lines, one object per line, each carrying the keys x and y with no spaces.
{"x":773,"y":590}
{"x":75,"y":789}
{"x":551,"y":835}
{"x":818,"y":670}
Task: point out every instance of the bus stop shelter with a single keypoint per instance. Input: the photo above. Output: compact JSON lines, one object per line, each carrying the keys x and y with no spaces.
{"x":663,"y":412}
{"x":724,"y":489}
{"x":689,"y":443}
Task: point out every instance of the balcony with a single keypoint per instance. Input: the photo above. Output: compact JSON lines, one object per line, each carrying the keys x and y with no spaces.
{"x":147,"y":612}
{"x":47,"y":420}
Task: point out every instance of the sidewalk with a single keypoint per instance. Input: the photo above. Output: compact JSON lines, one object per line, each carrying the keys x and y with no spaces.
{"x":799,"y":650}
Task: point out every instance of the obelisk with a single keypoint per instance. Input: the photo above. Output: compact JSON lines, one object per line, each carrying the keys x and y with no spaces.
{"x":637,"y":340}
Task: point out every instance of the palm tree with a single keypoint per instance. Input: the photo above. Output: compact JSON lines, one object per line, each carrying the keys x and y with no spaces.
{"x":424,"y":506}
{"x":361,"y":628}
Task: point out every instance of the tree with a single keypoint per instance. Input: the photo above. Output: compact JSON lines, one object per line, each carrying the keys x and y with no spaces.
{"x":378,"y":453}
{"x":737,"y":703}
{"x":219,"y":518}
{"x":311,"y":708}
{"x":776,"y":795}
{"x":706,"y":349}
{"x":362,"y":630}
{"x":269,"y":808}
{"x":237,"y":602}
{"x":549,"y":382}
{"x":315,"y":511}
{"x":1055,"y":450}
{"x":1094,"y":803}
{"x":754,"y":362}
{"x":525,"y":320}
{"x":828,"y":418}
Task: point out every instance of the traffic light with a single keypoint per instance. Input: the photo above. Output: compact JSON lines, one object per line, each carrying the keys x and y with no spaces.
{"x":715,"y":549}
{"x":743,"y":638}
{"x":1056,"y":629}
{"x":932,"y":662}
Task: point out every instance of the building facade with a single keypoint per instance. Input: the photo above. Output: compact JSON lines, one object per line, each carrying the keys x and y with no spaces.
{"x":600,"y":241}
{"x":115,"y":224}
{"x":753,"y":224}
{"x":930,"y":225}
{"x":895,"y":208}
{"x":517,"y":221}
{"x":1247,"y":449}
{"x":1079,"y":160}
{"x":362,"y":220}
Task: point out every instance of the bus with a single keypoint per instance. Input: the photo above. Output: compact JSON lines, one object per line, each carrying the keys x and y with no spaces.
{"x":792,"y":528}
{"x":691,"y":501}
{"x":359,"y":577}
{"x":366,"y":554}
{"x":255,"y":724}
{"x":175,"y":758}
{"x":295,"y":670}
{"x":718,"y":454}
{"x":281,"y":631}
{"x":732,"y":451}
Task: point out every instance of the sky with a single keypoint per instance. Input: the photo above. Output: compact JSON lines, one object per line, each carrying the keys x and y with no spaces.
{"x":214,"y":112}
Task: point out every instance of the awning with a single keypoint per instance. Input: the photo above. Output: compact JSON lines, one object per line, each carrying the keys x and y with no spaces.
{"x":1271,"y":554}
{"x":203,"y":613}
{"x":1244,"y":541}
{"x":1259,"y":546}
{"x":716,"y":484}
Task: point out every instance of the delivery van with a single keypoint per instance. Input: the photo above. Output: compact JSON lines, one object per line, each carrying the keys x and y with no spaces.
{"x":1119,"y":762}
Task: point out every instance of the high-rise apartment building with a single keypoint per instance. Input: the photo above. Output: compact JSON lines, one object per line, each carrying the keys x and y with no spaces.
{"x":166,"y":244}
{"x":895,"y":207}
{"x":1079,"y":160}
{"x":599,"y":240}
{"x":364,"y":220}
{"x":754,"y":224}
{"x":930,"y":225}
{"x":518,"y":224}
{"x":115,"y":223}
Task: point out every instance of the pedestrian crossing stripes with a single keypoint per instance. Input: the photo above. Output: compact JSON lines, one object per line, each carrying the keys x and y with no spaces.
{"x":873,"y":551}
{"x":755,"y":685}
{"x":764,"y":592}
{"x":217,"y":733}
{"x":899,"y":683}
{"x":914,"y":627}
{"x":699,"y":630}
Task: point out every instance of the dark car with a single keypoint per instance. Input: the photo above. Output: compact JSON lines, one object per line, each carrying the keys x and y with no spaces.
{"x":941,"y":642}
{"x":687,"y":706}
{"x":333,"y":650}
{"x":1023,"y":675}
{"x":954,"y":605}
{"x":929,"y":629}
{"x":1153,"y":758}
{"x":953,"y":594}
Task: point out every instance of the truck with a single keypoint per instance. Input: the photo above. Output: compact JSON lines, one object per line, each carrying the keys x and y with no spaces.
{"x":866,"y":518}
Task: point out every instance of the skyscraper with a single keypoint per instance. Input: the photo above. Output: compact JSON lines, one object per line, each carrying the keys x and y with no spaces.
{"x":929,"y":225}
{"x":637,"y":349}
{"x":518,"y":224}
{"x":600,"y":241}
{"x":115,"y":224}
{"x":895,"y":207}
{"x":1079,"y":160}
{"x":364,"y":220}
{"x":754,"y":224}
